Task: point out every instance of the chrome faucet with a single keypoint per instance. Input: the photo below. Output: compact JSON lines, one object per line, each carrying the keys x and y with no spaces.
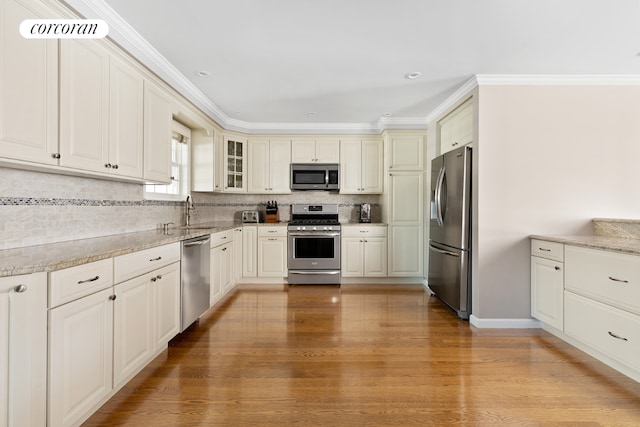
{"x":188,"y":208}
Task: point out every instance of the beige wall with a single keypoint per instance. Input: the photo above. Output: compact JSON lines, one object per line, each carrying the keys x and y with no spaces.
{"x":548,"y":160}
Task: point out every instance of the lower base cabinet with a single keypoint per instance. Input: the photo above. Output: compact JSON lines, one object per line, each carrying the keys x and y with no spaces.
{"x":221,"y":271}
{"x":272,"y":251}
{"x":23,"y":350}
{"x":146,"y":317}
{"x":80,"y":357}
{"x":364,"y":251}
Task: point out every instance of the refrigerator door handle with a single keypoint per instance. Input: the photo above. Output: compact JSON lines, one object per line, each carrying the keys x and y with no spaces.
{"x":438,"y":197}
{"x":442,"y":251}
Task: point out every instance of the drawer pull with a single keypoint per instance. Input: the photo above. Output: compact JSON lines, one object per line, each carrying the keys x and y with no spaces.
{"x":611,"y":334}
{"x":618,"y":280}
{"x":156,"y":259}
{"x":544,"y":250}
{"x":20,"y":289}
{"x":93,"y":279}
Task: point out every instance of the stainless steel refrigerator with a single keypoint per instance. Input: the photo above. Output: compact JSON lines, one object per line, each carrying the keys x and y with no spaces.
{"x":450,"y":230}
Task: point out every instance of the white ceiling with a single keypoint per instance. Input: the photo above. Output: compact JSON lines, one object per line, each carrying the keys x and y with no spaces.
{"x":273,"y":62}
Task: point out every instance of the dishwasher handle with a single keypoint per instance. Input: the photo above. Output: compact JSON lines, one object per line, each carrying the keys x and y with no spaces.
{"x":188,"y":243}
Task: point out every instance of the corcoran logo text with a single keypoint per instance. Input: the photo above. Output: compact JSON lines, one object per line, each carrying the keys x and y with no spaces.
{"x":64,"y":29}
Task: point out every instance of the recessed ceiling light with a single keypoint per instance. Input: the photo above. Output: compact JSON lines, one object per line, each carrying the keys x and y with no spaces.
{"x":387,"y":114}
{"x":311,"y":113}
{"x":203,"y":73}
{"x":413,"y":75}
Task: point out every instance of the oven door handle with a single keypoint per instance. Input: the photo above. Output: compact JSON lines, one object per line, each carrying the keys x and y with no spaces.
{"x":314,"y":234}
{"x":314,"y":272}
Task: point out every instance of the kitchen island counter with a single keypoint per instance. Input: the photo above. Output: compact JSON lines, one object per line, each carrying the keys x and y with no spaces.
{"x":56,"y":256}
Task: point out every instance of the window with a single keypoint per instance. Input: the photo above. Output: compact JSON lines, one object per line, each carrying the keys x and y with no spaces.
{"x":179,"y":187}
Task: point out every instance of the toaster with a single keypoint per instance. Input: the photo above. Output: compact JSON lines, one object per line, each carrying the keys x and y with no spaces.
{"x":250,"y":216}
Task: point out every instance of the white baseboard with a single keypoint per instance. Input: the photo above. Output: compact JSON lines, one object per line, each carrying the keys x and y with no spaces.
{"x":505,"y":323}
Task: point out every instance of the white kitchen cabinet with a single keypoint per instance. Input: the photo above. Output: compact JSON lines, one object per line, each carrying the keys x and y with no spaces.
{"x":361,"y":163}
{"x":28,"y":86}
{"x":238,"y":240}
{"x":315,"y":151}
{"x":84,"y":105}
{"x":132,"y":335}
{"x":126,"y":119}
{"x":268,"y":166}
{"x":166,"y":305}
{"x":272,"y":251}
{"x":456,"y":129}
{"x":80,"y":358}
{"x":23,"y":350}
{"x":233,"y":164}
{"x":405,"y":217}
{"x":250,"y":251}
{"x":547,"y":290}
{"x":364,"y":251}
{"x":405,"y":151}
{"x":222,"y":264}
{"x":158,"y":118}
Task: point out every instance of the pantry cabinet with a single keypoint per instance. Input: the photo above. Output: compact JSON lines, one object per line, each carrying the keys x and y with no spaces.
{"x":23,"y":350}
{"x":364,"y":251}
{"x":28,"y":87}
{"x":405,"y":151}
{"x":405,"y":219}
{"x":361,"y":163}
{"x":315,"y":151}
{"x":268,"y":166}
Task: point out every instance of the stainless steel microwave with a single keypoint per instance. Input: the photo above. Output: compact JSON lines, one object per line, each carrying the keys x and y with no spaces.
{"x":315,"y":176}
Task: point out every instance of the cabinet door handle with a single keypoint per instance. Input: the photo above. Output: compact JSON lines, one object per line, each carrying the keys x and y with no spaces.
{"x":20,"y":289}
{"x":618,"y":280}
{"x":618,"y":337}
{"x":557,"y":268}
{"x":112,"y":297}
{"x":156,"y":259}
{"x":93,"y":279}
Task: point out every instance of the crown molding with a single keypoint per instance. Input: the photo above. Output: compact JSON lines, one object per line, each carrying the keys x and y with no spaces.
{"x":453,"y":99}
{"x":558,"y":79}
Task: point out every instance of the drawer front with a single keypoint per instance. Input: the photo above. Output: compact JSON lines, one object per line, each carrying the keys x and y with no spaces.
{"x":221,"y":238}
{"x":272,"y":231}
{"x":613,"y":332}
{"x":359,"y":231}
{"x":548,"y":250}
{"x":131,"y":265}
{"x":76,"y":282}
{"x":609,"y":277}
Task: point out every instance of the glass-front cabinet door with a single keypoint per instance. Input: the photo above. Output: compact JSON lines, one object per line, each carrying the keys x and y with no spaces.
{"x":235,"y":164}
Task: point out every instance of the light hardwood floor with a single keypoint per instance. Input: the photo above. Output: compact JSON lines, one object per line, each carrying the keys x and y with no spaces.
{"x":361,"y":355}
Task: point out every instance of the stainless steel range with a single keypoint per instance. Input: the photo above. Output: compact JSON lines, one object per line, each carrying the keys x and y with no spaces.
{"x":314,"y":245}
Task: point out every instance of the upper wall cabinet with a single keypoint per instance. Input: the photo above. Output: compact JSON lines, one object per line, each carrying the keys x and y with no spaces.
{"x":361,"y":166}
{"x":405,"y":151}
{"x":456,"y":129}
{"x":28,"y":87}
{"x":84,"y":105}
{"x":268,"y":166}
{"x":126,"y":122}
{"x":234,"y":164}
{"x":315,"y":151}
{"x":158,"y":115}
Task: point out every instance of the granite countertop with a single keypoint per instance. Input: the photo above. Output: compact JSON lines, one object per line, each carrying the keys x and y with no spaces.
{"x":56,"y":256}
{"x":610,"y":243}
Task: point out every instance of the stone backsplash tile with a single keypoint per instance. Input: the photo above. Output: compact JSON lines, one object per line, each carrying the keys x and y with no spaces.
{"x":38,"y":208}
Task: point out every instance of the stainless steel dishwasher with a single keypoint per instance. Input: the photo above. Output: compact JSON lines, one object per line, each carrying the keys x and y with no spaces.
{"x":195,"y":275}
